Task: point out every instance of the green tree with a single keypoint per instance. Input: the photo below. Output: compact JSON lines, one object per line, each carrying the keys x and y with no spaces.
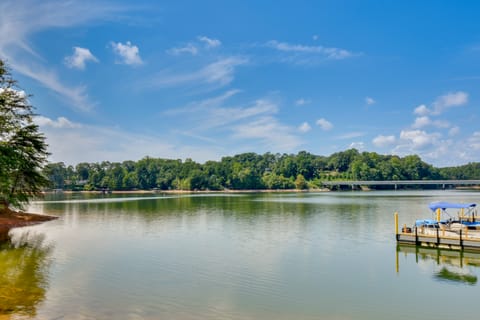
{"x":301,"y":183}
{"x":23,"y":150}
{"x":56,"y":173}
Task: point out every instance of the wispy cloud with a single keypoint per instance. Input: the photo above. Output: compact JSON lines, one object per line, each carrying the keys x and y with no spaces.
{"x":76,"y":96}
{"x":324,"y":52}
{"x":20,"y":20}
{"x":79,"y":58}
{"x":95,"y":144}
{"x":127,"y":53}
{"x":216,"y":74}
{"x":324,"y":124}
{"x":201,"y":106}
{"x":246,"y":125}
{"x":61,"y":122}
{"x":189,"y":48}
{"x":271,"y":134}
{"x":209,"y":42}
{"x":302,"y":102}
{"x":350,"y":135}
{"x":369,"y":101}
{"x":194,"y":47}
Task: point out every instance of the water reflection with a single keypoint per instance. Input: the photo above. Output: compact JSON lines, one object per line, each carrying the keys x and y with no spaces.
{"x":449,"y":266}
{"x":24,"y":263}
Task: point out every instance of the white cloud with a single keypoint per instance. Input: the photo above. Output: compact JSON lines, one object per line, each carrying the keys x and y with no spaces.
{"x":128,"y":53}
{"x":425,"y":121}
{"x":219,"y":73}
{"x":474,"y":141}
{"x":328,"y":53}
{"x":384,"y":141}
{"x":324,"y":124}
{"x":419,"y":139}
{"x":210,"y":43}
{"x":369,"y":101}
{"x":79,"y":58}
{"x":61,"y":122}
{"x":19,"y":20}
{"x":453,"y":99}
{"x":421,"y":110}
{"x":189,"y":48}
{"x":421,"y":122}
{"x":302,"y":102}
{"x":315,"y":37}
{"x":304,"y":127}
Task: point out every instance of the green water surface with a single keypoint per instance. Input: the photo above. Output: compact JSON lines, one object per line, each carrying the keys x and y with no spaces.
{"x":233,"y":256}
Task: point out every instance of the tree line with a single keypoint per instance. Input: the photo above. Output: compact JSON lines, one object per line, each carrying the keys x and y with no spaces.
{"x":249,"y":171}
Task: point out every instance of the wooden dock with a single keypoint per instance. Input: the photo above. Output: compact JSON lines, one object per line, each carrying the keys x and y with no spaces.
{"x":467,"y":240}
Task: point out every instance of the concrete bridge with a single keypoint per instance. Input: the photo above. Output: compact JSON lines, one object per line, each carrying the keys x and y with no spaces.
{"x":396,"y":183}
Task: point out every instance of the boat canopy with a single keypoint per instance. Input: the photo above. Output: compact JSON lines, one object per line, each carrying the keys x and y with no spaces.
{"x":450,"y":205}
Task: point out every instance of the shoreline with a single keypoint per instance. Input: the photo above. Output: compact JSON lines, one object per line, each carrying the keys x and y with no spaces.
{"x":189,"y":191}
{"x":10,"y":219}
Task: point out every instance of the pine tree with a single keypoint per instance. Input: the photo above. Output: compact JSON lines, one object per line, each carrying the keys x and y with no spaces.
{"x":23,"y":150}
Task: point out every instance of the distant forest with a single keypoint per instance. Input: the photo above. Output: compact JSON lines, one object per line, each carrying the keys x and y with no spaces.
{"x":249,"y":171}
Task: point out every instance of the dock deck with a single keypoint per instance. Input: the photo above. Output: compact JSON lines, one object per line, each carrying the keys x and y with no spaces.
{"x":444,"y":239}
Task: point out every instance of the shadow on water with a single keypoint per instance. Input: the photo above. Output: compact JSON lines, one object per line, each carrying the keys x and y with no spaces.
{"x":24,"y":264}
{"x":450,"y":266}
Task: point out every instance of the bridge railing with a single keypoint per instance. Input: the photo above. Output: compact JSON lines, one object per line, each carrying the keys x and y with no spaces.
{"x":400,"y":182}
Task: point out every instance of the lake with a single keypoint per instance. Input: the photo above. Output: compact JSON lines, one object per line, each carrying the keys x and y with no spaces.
{"x":234,"y":256}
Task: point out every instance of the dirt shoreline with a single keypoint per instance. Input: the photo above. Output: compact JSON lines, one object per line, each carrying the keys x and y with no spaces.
{"x":10,"y":219}
{"x":192,"y":191}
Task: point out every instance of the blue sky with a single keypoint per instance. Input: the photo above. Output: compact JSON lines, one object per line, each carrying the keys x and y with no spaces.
{"x":120,"y":80}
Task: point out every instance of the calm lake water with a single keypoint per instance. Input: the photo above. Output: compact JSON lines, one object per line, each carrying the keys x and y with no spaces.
{"x":234,"y":256}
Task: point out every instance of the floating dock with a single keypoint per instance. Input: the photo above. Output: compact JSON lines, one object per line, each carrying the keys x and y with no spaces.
{"x":467,"y":240}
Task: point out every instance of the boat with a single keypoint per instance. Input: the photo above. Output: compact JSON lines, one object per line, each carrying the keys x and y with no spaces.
{"x":465,"y":218}
{"x":454,"y":226}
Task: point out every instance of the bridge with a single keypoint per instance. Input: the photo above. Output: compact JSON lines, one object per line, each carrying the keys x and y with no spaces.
{"x":396,"y":183}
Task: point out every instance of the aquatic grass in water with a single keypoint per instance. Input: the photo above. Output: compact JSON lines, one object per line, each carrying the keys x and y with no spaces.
{"x":24,"y":263}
